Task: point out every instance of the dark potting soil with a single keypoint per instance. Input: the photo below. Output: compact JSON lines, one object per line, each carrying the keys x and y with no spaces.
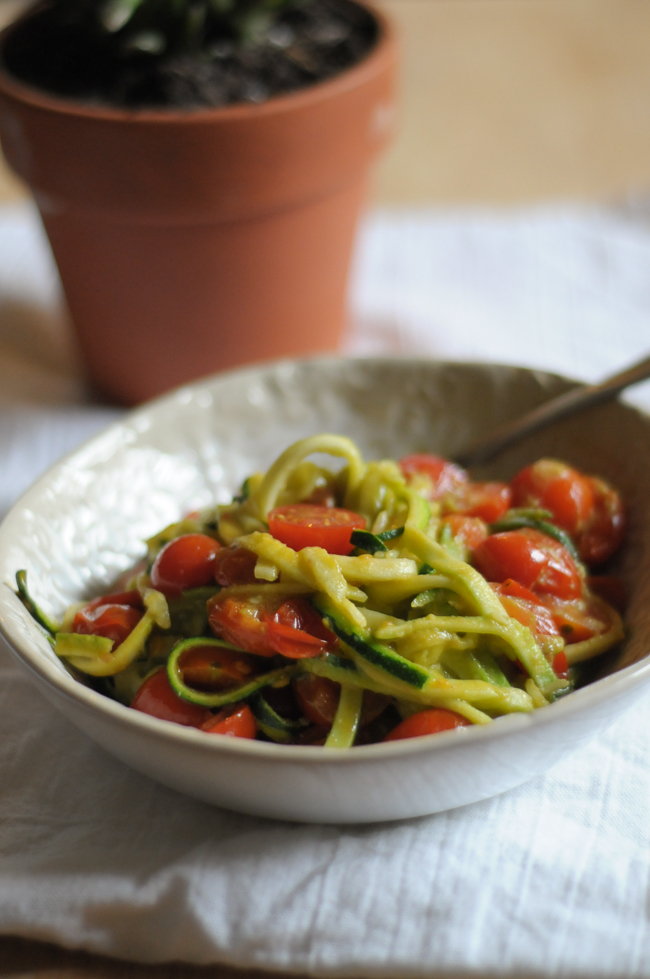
{"x":313,"y":41}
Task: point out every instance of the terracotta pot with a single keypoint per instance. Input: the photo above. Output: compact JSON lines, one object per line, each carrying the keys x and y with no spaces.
{"x":188,"y":242}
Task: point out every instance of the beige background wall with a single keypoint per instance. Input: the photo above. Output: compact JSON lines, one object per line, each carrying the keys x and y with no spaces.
{"x":512,"y":100}
{"x":508,"y":100}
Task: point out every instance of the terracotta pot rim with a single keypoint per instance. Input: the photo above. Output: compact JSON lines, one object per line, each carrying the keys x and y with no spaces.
{"x":351,"y":78}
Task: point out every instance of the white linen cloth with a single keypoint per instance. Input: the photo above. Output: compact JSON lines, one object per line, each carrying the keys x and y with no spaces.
{"x":549,"y":879}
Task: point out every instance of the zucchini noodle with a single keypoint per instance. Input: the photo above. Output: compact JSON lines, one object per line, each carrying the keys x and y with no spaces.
{"x":408,"y":622}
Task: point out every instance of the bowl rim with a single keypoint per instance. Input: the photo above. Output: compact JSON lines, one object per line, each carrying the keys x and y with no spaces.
{"x":32,"y":657}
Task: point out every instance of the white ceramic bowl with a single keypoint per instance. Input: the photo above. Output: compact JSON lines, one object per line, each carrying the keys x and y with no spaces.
{"x":84,"y":521}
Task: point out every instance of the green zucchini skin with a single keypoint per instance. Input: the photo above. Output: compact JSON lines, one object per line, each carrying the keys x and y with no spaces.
{"x":374,"y":543}
{"x":274,"y":726}
{"x":232,"y":694}
{"x":374,"y":653}
{"x":51,"y":626}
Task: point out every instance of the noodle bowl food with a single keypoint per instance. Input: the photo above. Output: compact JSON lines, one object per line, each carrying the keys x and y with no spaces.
{"x":341,"y":602}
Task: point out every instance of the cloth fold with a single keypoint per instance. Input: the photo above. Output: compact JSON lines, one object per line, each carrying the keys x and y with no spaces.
{"x":549,"y":879}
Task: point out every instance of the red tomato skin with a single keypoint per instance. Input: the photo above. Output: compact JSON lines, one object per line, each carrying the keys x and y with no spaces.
{"x":470,"y":531}
{"x":242,"y":622}
{"x":268,"y":626}
{"x":132,"y":598}
{"x":605,"y":528}
{"x":552,"y":485}
{"x":309,"y":525}
{"x":318,"y":698}
{"x":197,"y":666}
{"x":431,"y":721}
{"x":443,"y":476}
{"x":238,"y":724}
{"x":111,"y":621}
{"x":186,"y":562}
{"x":535,"y":560}
{"x":577,"y":619}
{"x":560,"y":665}
{"x":156,"y":697}
{"x":235,"y":565}
{"x":489,"y":501}
{"x":297,"y":631}
{"x":521,"y":604}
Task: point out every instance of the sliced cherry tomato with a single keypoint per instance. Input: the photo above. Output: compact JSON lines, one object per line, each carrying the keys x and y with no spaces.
{"x":533,"y":559}
{"x":470,"y":531}
{"x":111,"y":621}
{"x":265,"y":625}
{"x":432,"y":476}
{"x":156,"y":697}
{"x":560,"y":665}
{"x":235,"y":565}
{"x":132,"y":598}
{"x":610,"y":588}
{"x":578,"y":619}
{"x":237,"y":723}
{"x":211,"y":668}
{"x":297,"y":631}
{"x":307,"y":525}
{"x":522,"y":605}
{"x":432,"y":721}
{"x":605,"y":526}
{"x":186,"y":562}
{"x":243,"y":621}
{"x":318,"y":698}
{"x":552,"y":485}
{"x":489,"y":501}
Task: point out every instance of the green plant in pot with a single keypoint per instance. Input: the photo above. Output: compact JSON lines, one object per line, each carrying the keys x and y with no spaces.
{"x":199,"y":168}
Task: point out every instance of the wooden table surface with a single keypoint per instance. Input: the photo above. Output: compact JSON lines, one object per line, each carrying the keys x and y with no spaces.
{"x":20,"y":959}
{"x":503,"y":101}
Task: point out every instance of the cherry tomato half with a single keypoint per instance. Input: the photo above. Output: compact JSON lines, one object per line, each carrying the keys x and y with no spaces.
{"x":132,"y":598}
{"x":243,"y":621}
{"x":578,"y":619}
{"x":212,"y":668}
{"x":432,"y":476}
{"x":297,"y":631}
{"x":307,"y":525}
{"x":111,"y":621}
{"x":235,"y":565}
{"x":431,"y":721}
{"x":156,"y":697}
{"x":552,"y":485}
{"x":522,"y":605}
{"x":470,"y":531}
{"x":186,"y":562}
{"x":266,"y":625}
{"x":533,"y":559}
{"x":232,"y":723}
{"x":560,"y":665}
{"x":605,"y":526}
{"x":318,"y":698}
{"x":489,"y":501}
